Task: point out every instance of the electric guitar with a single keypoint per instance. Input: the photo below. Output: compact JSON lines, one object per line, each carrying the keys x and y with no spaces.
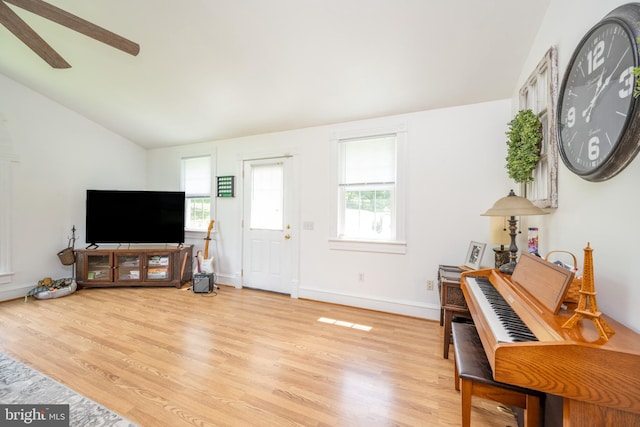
{"x":204,"y":264}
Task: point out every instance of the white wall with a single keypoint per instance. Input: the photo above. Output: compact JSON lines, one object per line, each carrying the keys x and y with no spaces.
{"x":452,"y":178}
{"x":456,"y":171}
{"x":59,"y":155}
{"x":603,"y":213}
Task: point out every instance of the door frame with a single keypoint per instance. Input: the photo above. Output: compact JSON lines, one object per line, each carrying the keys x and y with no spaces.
{"x":295,"y":217}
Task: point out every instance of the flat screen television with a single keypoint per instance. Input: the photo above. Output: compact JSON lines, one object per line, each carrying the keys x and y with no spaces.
{"x":115,"y":216}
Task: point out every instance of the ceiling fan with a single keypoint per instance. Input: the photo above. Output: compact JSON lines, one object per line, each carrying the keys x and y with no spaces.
{"x":24,"y":32}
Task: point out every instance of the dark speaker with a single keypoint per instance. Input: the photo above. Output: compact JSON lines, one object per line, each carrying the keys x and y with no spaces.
{"x":202,"y":283}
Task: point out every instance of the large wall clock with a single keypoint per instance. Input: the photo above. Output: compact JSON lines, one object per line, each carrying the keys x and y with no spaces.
{"x":598,"y":121}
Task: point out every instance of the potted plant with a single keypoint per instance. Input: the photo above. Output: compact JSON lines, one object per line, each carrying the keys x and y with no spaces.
{"x":525,"y":138}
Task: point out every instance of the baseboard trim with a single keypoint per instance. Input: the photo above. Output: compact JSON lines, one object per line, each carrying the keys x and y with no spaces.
{"x":406,"y":308}
{"x":228,"y":280}
{"x":14,"y":291}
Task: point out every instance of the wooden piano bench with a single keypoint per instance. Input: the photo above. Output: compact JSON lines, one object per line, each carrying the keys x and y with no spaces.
{"x":473,"y":372}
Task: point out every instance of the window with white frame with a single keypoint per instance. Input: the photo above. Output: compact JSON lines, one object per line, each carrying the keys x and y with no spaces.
{"x":196,"y":182}
{"x":369,"y":195}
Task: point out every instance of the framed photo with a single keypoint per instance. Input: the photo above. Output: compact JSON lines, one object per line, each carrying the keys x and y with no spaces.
{"x":474,"y":255}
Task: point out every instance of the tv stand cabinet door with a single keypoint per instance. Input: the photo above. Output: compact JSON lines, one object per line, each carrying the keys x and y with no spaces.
{"x":158,"y":268}
{"x":127,"y":268}
{"x":95,"y":268}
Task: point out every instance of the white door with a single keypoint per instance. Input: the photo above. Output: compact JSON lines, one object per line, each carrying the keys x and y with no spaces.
{"x":268,"y":229}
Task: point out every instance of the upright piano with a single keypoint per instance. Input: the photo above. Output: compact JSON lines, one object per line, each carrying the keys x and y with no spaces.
{"x":519,"y":319}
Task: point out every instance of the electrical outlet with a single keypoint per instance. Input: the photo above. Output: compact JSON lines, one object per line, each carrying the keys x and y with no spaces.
{"x":361,"y":277}
{"x":429,"y":285}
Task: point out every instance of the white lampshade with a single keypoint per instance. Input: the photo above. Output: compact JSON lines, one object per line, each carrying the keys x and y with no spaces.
{"x":513,"y":205}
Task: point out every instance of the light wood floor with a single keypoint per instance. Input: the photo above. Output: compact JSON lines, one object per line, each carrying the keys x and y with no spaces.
{"x":168,"y":357}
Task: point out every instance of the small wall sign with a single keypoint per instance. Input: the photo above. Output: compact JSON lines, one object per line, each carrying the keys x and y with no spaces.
{"x":225,"y":186}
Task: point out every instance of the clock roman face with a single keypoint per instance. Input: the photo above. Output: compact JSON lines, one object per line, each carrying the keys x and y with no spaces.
{"x":597,"y":104}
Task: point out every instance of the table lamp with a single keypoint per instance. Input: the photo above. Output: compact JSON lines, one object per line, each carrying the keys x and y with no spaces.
{"x":513,"y":206}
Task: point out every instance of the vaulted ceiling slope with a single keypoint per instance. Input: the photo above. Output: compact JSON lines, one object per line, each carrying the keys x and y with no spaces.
{"x":214,"y":69}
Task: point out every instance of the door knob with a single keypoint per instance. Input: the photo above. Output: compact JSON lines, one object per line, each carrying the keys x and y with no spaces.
{"x":287,"y":236}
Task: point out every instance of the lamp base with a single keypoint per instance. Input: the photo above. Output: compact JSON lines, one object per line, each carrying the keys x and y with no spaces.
{"x":501,"y":256}
{"x":508,"y":268}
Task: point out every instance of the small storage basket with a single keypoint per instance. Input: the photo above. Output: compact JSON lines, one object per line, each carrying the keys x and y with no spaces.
{"x":573,"y":293}
{"x":67,"y":256}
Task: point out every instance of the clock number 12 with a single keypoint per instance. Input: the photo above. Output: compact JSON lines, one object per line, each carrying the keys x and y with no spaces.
{"x":595,"y":57}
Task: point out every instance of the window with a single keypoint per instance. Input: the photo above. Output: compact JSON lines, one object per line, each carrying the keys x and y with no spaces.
{"x":267,"y":196}
{"x":367,"y":182}
{"x":369,"y":196}
{"x":196,"y":181}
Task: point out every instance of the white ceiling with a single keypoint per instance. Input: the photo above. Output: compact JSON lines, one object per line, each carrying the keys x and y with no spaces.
{"x":213,"y":69}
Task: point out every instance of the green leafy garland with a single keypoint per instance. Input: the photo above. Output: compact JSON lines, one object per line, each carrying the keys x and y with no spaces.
{"x":523,"y":154}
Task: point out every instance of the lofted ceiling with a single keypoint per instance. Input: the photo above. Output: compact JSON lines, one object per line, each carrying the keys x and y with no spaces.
{"x":216,"y":69}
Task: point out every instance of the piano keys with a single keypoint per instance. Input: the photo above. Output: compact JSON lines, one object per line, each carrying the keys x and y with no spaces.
{"x":522,"y":335}
{"x":505,"y":324}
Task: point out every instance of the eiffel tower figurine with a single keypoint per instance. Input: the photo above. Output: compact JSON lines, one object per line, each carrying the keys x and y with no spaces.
{"x":587,"y":305}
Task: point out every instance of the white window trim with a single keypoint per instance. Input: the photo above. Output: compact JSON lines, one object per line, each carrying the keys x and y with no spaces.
{"x":7,"y":158}
{"x":399,"y":244}
{"x":5,"y":220}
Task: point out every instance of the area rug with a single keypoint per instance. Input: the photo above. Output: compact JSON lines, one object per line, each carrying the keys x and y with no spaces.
{"x":22,"y":385}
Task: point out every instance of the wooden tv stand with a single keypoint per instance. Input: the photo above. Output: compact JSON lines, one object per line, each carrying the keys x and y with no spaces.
{"x":149,"y":265}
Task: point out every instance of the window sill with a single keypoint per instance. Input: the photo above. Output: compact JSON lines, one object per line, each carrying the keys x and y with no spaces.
{"x":198,"y":234}
{"x":194,"y":231}
{"x":368,"y":246}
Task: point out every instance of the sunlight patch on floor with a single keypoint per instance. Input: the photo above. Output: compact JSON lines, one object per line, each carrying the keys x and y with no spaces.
{"x":345,"y":324}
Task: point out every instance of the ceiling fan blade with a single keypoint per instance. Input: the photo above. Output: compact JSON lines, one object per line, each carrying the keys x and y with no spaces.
{"x":78,"y":24}
{"x":21,"y":30}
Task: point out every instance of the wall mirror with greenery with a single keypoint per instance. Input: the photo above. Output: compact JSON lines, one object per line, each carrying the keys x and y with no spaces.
{"x":539,"y":94}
